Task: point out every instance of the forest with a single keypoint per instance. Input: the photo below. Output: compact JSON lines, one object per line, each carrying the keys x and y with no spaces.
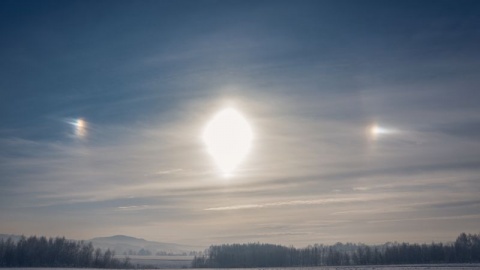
{"x":60,"y":252}
{"x":56,"y":252}
{"x":465,"y":249}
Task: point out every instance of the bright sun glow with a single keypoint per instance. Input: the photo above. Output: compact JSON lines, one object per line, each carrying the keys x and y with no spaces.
{"x":228,"y":138}
{"x":80,"y":127}
{"x":376,"y":131}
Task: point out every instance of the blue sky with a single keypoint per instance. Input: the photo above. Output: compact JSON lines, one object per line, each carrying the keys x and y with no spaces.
{"x":311,"y":77}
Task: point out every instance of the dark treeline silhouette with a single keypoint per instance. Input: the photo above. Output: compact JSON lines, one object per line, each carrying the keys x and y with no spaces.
{"x":466,"y":249}
{"x":55,"y":252}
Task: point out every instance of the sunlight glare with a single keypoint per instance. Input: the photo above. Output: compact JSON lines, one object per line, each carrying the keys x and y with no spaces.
{"x":80,"y":127}
{"x":375,"y":131}
{"x":228,"y":139}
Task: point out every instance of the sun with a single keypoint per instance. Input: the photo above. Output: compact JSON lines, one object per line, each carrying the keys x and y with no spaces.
{"x":228,"y":137}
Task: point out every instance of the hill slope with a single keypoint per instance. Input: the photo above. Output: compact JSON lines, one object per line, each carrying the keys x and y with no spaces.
{"x":123,"y":244}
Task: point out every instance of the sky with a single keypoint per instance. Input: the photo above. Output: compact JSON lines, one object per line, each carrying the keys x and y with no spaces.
{"x":364,"y":116}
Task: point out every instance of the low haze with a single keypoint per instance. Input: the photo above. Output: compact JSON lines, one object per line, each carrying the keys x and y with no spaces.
{"x":362,"y":120}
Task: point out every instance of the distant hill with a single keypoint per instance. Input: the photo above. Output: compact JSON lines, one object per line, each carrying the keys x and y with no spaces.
{"x":128,"y":245}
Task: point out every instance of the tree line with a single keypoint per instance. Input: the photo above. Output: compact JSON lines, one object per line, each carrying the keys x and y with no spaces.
{"x":466,"y":249}
{"x":56,"y":252}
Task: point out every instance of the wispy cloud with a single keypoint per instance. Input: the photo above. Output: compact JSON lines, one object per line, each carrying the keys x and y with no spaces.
{"x":142,"y":169}
{"x":134,"y":207}
{"x":288,"y":203}
{"x":455,"y":217}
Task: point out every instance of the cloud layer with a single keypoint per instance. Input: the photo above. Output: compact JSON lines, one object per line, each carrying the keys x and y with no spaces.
{"x":312,"y":78}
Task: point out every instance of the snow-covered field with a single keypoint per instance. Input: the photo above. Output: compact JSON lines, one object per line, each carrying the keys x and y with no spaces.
{"x":372,"y":267}
{"x":391,"y":267}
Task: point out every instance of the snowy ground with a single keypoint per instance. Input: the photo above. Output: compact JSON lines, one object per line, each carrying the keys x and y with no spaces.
{"x":373,"y":267}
